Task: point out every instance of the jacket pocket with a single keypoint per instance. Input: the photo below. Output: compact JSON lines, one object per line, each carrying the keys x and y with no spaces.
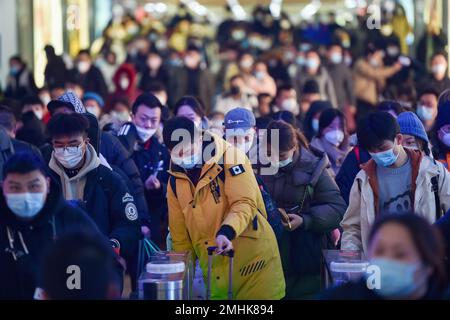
{"x":254,"y":229}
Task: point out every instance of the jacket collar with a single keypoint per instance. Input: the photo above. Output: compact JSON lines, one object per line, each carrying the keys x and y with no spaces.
{"x":92,"y":163}
{"x":307,"y":167}
{"x":370,"y":169}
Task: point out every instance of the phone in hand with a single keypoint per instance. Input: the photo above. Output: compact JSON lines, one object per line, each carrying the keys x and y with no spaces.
{"x":293,"y":210}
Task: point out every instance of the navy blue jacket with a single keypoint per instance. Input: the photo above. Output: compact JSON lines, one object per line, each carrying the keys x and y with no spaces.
{"x":119,"y":158}
{"x":109,"y":203}
{"x":150,"y":158}
{"x":349,"y":170}
{"x":19,"y":278}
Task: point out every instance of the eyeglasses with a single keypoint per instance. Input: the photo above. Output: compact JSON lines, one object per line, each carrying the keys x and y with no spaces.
{"x":68,"y":147}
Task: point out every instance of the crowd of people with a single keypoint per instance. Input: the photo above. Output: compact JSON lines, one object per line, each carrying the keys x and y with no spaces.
{"x":302,"y":139}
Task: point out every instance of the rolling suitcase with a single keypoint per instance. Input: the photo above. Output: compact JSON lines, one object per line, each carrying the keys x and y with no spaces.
{"x":230,"y":254}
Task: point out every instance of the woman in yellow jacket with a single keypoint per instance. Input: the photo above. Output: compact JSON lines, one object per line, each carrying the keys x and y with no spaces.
{"x":214,"y":200}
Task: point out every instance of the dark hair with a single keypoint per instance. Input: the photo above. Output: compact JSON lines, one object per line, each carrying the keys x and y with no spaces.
{"x":192,"y":102}
{"x":289,"y":137}
{"x":7,"y":118}
{"x":423,"y":145}
{"x":439,"y":53}
{"x":67,"y":125}
{"x":376,"y":128}
{"x":287,"y":117}
{"x":123,"y":100}
{"x":315,"y":108}
{"x":238,"y":76}
{"x":310,"y":87}
{"x":95,"y":258}
{"x":84,"y":51}
{"x":262,"y":96}
{"x":17,"y":58}
{"x":284,"y":87}
{"x":156,"y":86}
{"x":390,"y":106}
{"x":428,"y":242}
{"x":148,"y":100}
{"x":31,"y":100}
{"x":178,"y":123}
{"x":328,"y":116}
{"x":24,"y":162}
{"x":428,"y":90}
{"x":192,"y":47}
{"x":370,"y":49}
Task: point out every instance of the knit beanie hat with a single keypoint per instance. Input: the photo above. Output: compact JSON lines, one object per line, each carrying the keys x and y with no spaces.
{"x":410,"y":124}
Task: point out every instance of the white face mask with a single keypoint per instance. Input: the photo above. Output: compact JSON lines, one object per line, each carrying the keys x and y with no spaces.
{"x":93,"y":110}
{"x":335,"y":137}
{"x":145,"y":134}
{"x":290,"y":105}
{"x":45,"y":98}
{"x":25,"y":205}
{"x":84,"y":66}
{"x":69,"y":157}
{"x":39,"y":114}
{"x":124,"y":83}
{"x":246,"y":64}
{"x":438,"y":69}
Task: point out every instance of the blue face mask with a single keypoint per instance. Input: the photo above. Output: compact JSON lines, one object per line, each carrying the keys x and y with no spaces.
{"x":189,"y":162}
{"x":301,"y":61}
{"x":285,"y":163}
{"x":385,"y":159}
{"x":424,"y":113}
{"x":315,"y":125}
{"x":312,"y":64}
{"x":14,"y":71}
{"x":336,"y":58}
{"x":397,"y":278}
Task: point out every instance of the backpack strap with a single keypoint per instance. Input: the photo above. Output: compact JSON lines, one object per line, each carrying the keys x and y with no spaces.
{"x":435,"y":190}
{"x":173,"y":185}
{"x":437,"y":201}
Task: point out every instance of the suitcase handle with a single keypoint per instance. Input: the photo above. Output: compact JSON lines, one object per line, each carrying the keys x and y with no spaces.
{"x":230,"y":254}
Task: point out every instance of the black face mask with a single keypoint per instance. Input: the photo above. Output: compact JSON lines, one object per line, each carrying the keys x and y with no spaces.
{"x":235,"y":90}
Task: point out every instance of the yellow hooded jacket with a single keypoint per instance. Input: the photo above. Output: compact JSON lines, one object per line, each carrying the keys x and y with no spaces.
{"x":196,"y":214}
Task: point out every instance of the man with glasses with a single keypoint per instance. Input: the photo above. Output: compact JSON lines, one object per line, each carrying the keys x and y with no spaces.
{"x":94,"y":187}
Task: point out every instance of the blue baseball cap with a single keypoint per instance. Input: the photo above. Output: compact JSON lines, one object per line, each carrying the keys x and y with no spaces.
{"x":239,"y":120}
